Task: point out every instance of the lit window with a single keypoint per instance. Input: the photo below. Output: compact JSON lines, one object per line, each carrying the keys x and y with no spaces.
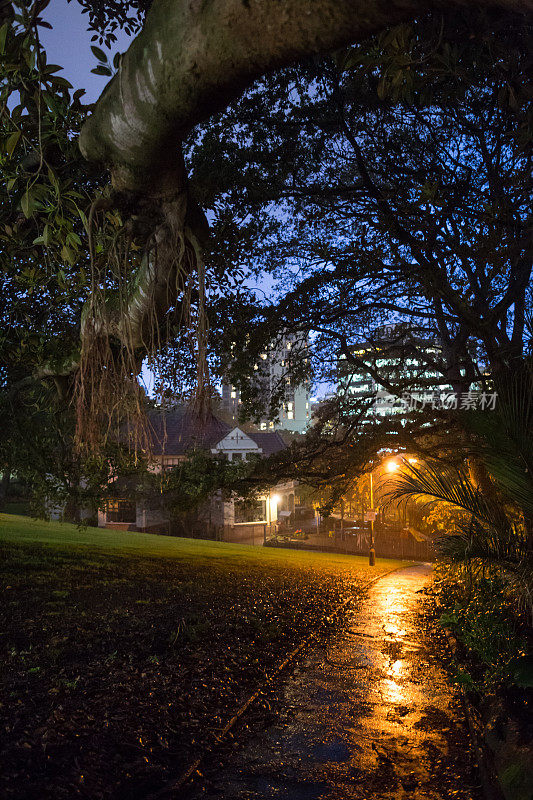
{"x":290,"y":414}
{"x":289,"y":407}
{"x":270,"y":424}
{"x":264,"y":356}
{"x":233,"y":395}
{"x":263,"y":426}
{"x":289,"y":345}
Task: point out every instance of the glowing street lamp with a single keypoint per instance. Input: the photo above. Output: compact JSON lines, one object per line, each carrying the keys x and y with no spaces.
{"x":273,"y":500}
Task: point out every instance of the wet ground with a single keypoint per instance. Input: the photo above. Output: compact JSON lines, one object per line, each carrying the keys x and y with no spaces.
{"x":372,"y":716}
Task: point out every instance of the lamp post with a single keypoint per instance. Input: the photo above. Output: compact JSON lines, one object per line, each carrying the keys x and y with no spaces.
{"x":391,"y":466}
{"x":372,"y":552}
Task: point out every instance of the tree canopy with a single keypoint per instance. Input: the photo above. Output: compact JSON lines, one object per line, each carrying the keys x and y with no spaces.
{"x":391,"y":182}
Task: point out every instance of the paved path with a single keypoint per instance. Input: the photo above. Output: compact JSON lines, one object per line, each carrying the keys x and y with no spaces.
{"x":371,"y":718}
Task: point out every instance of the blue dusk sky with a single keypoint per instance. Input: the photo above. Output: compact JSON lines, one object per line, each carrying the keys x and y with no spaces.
{"x":69,"y":45}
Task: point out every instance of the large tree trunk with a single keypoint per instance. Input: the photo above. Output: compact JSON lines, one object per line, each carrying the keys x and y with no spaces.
{"x":194,"y":56}
{"x":190,"y":60}
{"x":4,"y":485}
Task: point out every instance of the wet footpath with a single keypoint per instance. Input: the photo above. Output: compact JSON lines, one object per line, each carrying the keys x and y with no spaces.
{"x":370,"y":716}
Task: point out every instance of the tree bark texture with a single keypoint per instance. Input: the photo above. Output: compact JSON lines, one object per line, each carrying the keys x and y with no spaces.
{"x":194,"y":56}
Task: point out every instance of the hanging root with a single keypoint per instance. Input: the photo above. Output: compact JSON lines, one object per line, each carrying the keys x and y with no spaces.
{"x":127,"y":321}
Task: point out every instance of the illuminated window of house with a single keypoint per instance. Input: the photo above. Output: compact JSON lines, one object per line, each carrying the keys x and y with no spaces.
{"x":289,"y":345}
{"x":170,"y":461}
{"x":290,"y":407}
{"x":290,"y":414}
{"x":264,"y":356}
{"x":263,"y":426}
{"x":120,"y":511}
{"x":250,"y":510}
{"x":233,"y":394}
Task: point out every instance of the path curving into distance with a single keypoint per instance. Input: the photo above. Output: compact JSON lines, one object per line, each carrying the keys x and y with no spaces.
{"x":370,"y":717}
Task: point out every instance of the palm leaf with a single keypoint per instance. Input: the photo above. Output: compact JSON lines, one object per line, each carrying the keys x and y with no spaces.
{"x":503,"y":439}
{"x":429,"y":483}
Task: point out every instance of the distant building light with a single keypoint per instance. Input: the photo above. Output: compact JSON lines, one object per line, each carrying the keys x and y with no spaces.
{"x":290,"y":414}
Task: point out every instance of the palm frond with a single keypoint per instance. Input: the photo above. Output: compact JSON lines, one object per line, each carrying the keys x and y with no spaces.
{"x":503,"y":439}
{"x":429,"y":483}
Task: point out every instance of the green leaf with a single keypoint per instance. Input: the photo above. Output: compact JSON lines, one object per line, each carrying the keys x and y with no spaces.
{"x":57,"y":80}
{"x":52,"y":178}
{"x":101,"y":70}
{"x":46,"y":234}
{"x":84,"y":220}
{"x":73,"y":239}
{"x":68,"y":255}
{"x":100,"y":55}
{"x":3,"y":34}
{"x":26,"y":204}
{"x":12,"y":142}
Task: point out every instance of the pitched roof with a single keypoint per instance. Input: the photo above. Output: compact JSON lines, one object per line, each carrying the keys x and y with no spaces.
{"x":176,"y":432}
{"x":270,"y":442}
{"x":179,"y":430}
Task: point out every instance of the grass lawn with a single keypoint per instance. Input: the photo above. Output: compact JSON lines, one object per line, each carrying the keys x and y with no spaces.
{"x":124,"y":652}
{"x":63,"y":536}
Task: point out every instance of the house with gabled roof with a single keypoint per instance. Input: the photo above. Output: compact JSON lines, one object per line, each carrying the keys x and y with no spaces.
{"x":173,"y":435}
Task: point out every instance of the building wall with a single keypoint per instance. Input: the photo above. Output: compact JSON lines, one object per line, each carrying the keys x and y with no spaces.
{"x":295,"y":412}
{"x":400,"y":362}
